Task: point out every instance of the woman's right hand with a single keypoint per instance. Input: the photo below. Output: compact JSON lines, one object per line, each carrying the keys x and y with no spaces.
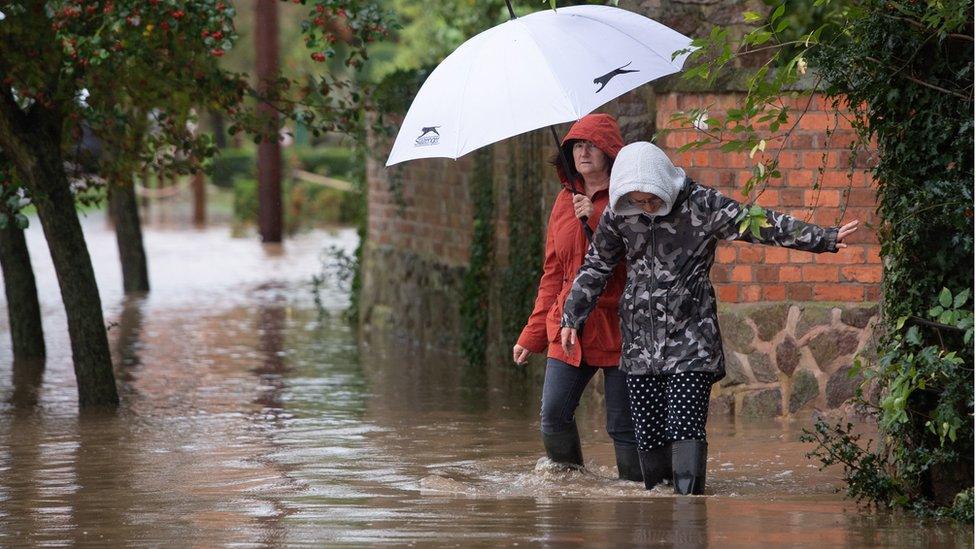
{"x":582,"y":206}
{"x":520,"y":354}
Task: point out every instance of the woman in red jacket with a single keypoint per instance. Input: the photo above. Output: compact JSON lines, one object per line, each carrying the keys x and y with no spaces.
{"x":591,"y":145}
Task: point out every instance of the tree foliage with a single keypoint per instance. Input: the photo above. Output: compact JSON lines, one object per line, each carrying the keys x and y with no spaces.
{"x":902,"y":73}
{"x":137,"y":73}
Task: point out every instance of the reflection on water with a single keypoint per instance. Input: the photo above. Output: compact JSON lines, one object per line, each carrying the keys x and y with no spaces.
{"x":248,"y":419}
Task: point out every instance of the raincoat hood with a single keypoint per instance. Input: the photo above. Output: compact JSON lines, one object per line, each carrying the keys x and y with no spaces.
{"x":600,"y":129}
{"x":644,"y":168}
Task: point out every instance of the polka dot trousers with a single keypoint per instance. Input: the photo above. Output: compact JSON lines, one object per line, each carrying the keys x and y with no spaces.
{"x":669,"y":407}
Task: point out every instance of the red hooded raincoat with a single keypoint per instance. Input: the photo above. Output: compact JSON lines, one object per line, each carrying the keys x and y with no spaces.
{"x":566,"y":246}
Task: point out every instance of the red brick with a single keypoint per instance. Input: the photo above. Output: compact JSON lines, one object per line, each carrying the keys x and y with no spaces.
{"x":725,"y":253}
{"x":872,"y":254}
{"x":872,"y":293}
{"x":800,"y":178}
{"x":699,"y":158}
{"x":847,"y":256}
{"x":750,"y":253}
{"x":721,"y":273}
{"x":775,"y":254}
{"x":750,"y":293}
{"x":815,"y":121}
{"x":769,"y":198}
{"x":800,"y":141}
{"x":733,"y":160}
{"x":797,"y":256}
{"x":774,"y":292}
{"x":742,"y":273}
{"x":789,"y":273}
{"x":767,"y":273}
{"x":819,"y":273}
{"x":813,"y":160}
{"x":799,"y":292}
{"x":728,"y":293}
{"x":791,"y":197}
{"x":836,"y":179}
{"x":866,"y":274}
{"x":838,"y":292}
{"x":788,"y":160}
{"x":863,"y":197}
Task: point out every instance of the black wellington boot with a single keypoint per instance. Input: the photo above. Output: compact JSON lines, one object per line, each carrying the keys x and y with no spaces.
{"x":564,"y":447}
{"x":656,"y":465}
{"x":688,"y":458}
{"x":628,"y":462}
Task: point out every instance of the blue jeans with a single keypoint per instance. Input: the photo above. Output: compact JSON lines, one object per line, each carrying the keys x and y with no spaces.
{"x":561,"y":392}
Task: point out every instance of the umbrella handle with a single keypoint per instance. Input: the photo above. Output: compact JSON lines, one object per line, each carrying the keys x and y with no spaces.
{"x":584,"y":221}
{"x":511,"y":12}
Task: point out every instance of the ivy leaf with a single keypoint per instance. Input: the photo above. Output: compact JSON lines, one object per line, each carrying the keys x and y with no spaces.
{"x":744,"y":226}
{"x":754,"y":227}
{"x":961,"y":298}
{"x":914,"y":336}
{"x":751,"y":17}
{"x":945,"y":298}
{"x":21,"y":221}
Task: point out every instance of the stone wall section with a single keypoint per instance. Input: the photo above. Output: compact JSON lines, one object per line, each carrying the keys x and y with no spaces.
{"x":791,"y":359}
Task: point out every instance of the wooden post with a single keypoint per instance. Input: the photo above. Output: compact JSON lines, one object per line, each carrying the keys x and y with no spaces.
{"x":269,"y":150}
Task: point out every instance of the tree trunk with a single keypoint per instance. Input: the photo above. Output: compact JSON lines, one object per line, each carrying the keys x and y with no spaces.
{"x":76,"y":278}
{"x":128,"y":234}
{"x":199,"y":199}
{"x":219,"y":129}
{"x":23,"y":309}
{"x":269,"y":150}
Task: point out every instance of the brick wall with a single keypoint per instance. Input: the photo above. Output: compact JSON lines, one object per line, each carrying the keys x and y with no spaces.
{"x":434,"y":218}
{"x":779,"y":308}
{"x":821,"y":183}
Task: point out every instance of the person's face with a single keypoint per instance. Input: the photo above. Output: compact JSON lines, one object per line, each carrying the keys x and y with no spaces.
{"x":589,"y":159}
{"x":647,"y":202}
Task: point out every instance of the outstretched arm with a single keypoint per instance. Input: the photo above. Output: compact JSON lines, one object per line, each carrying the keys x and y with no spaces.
{"x":779,"y":229}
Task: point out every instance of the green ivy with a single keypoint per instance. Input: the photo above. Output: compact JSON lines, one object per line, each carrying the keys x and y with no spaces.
{"x":476,"y":285}
{"x":906,"y":70}
{"x":525,"y":236}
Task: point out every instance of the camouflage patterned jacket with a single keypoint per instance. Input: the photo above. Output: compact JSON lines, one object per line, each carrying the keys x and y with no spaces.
{"x":668,"y":312}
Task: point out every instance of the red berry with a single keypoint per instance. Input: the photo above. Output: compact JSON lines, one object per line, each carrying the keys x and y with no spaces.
{"x":318,"y":56}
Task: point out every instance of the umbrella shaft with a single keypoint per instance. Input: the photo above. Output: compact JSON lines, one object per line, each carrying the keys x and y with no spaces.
{"x":511,"y":12}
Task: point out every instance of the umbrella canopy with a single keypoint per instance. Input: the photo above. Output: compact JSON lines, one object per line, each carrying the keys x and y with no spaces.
{"x":545,"y":68}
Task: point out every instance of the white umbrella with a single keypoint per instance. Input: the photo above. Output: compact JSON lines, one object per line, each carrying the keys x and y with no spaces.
{"x":545,"y":68}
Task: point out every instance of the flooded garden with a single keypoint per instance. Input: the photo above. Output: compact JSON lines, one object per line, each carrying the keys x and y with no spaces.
{"x":252,"y":417}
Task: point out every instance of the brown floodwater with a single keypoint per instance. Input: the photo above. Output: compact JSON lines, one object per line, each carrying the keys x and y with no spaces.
{"x":250,"y":419}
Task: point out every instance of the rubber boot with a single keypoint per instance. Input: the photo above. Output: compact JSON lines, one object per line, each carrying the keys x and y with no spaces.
{"x":564,"y":447}
{"x":628,"y":462}
{"x":656,"y":465}
{"x":688,"y":458}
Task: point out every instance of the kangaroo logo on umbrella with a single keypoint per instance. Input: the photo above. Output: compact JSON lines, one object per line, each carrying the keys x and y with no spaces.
{"x":605,"y":79}
{"x":426,"y":140}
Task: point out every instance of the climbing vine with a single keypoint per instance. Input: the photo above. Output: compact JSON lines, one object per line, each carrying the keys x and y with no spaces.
{"x":476,"y":285}
{"x":901,"y":72}
{"x":525,"y":236}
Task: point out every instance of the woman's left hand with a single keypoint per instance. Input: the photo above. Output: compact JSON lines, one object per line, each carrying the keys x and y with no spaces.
{"x":582,"y":206}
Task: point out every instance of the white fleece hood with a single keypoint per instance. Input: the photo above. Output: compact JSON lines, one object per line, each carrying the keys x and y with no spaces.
{"x":645,"y":168}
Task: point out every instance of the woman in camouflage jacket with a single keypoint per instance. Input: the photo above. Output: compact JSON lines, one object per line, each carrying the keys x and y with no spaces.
{"x":666,"y":227}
